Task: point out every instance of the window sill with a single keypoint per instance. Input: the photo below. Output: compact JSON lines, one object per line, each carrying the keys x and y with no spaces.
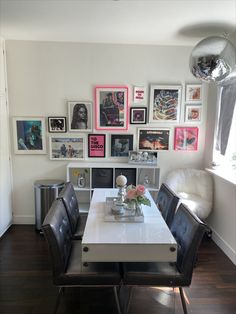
{"x":228,"y":174}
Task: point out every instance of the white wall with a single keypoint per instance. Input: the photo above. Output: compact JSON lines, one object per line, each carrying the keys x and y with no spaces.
{"x":42,"y":76}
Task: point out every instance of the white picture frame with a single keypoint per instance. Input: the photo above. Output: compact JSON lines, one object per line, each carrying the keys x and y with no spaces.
{"x":193,"y":113}
{"x":193,"y":93}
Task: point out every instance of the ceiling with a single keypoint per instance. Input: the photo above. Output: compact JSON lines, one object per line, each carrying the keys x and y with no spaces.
{"x":156,"y":22}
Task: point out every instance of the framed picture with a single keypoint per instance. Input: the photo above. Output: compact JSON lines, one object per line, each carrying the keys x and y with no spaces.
{"x":164,"y":103}
{"x":57,"y":124}
{"x":139,"y":94}
{"x":153,"y":139}
{"x":121,"y":145}
{"x":193,"y":93}
{"x":80,"y":116}
{"x":193,"y":113}
{"x":97,"y":145}
{"x":186,"y":138}
{"x":67,"y":147}
{"x":138,"y":115}
{"x":111,"y":108}
{"x":29,"y":135}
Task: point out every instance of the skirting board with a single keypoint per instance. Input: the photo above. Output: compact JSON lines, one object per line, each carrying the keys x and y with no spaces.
{"x":225,"y":247}
{"x":23,"y":219}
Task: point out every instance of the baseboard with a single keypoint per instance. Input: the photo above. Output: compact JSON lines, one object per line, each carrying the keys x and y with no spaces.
{"x":225,"y":247}
{"x":23,"y":219}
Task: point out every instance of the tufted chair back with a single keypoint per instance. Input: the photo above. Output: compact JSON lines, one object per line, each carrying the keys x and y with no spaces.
{"x":57,"y":231}
{"x":167,"y":201}
{"x":71,"y":204}
{"x":188,"y":231}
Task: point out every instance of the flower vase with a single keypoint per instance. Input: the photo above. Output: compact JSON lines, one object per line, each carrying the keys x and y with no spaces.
{"x":138,"y":209}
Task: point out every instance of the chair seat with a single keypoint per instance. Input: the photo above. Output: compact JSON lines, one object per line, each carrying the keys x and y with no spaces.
{"x":154,"y":274}
{"x":85,"y":274}
{"x":79,"y":231}
{"x":199,"y":206}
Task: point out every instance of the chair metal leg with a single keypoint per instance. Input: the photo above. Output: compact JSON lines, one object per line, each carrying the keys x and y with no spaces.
{"x":60,"y":292}
{"x":117,"y":300}
{"x":181,"y":290}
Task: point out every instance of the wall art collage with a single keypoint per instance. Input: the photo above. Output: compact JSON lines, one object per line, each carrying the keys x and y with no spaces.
{"x":112,"y":112}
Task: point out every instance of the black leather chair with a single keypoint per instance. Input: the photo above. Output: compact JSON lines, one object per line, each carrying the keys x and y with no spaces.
{"x":188,"y":231}
{"x":166,"y":202}
{"x":68,"y":269}
{"x":77,"y":220}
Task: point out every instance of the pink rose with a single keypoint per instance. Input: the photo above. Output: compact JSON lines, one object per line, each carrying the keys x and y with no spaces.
{"x":140,"y":190}
{"x":131,"y":194}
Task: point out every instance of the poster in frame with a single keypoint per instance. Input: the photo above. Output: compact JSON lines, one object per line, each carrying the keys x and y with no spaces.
{"x":153,"y":139}
{"x":80,"y":116}
{"x":97,"y":145}
{"x":138,"y":115}
{"x":186,"y":138}
{"x":57,"y":124}
{"x":29,"y":135}
{"x":193,"y":93}
{"x":111,"y":108}
{"x":193,"y":113}
{"x":121,"y":144}
{"x":67,"y":147}
{"x":164,"y":103}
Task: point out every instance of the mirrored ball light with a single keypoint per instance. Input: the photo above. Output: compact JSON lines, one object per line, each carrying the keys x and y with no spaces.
{"x":213,"y":59}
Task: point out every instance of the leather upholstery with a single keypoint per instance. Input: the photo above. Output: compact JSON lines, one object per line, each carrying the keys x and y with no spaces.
{"x":77,"y":220}
{"x":68,"y":269}
{"x":188,"y":231}
{"x":167,"y":201}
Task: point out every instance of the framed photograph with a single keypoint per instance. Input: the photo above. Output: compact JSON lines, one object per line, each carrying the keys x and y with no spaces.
{"x":97,"y":145}
{"x":67,"y":147}
{"x":57,"y":124}
{"x":80,"y":116}
{"x":186,"y":138}
{"x":29,"y":135}
{"x":193,"y":93}
{"x":121,"y":145}
{"x":111,"y":108}
{"x":193,"y":113}
{"x":164,"y":103}
{"x":153,"y":139}
{"x":138,"y":115}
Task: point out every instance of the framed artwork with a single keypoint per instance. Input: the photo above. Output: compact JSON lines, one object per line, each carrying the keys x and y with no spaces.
{"x":139,"y":94}
{"x":97,"y":145}
{"x":57,"y":124}
{"x":29,"y":135}
{"x":164,"y":103}
{"x":153,"y":139}
{"x":193,"y":93}
{"x":111,"y":108}
{"x":80,"y":116}
{"x":138,"y":115}
{"x":186,"y":138}
{"x":193,"y":113}
{"x":121,"y":145}
{"x":67,"y":147}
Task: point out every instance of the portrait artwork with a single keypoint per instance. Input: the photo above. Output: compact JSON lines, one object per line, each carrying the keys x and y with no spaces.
{"x":121,"y":145}
{"x":80,"y":116}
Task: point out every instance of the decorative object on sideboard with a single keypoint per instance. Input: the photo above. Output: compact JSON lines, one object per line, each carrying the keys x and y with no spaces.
{"x":144,"y":157}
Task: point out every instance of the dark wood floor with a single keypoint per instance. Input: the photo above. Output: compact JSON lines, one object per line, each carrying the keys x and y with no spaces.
{"x":26,"y":286}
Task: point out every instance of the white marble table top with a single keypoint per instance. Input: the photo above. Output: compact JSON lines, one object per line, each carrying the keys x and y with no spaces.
{"x":124,"y":241}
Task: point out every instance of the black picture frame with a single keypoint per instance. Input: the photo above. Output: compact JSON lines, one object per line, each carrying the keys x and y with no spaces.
{"x":121,"y":144}
{"x":96,"y":145}
{"x":138,"y":115}
{"x":57,"y":125}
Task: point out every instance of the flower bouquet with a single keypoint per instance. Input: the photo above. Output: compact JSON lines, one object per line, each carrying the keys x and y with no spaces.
{"x":135,"y":196}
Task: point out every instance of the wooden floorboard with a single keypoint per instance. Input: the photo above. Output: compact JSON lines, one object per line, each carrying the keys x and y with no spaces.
{"x":26,"y":283}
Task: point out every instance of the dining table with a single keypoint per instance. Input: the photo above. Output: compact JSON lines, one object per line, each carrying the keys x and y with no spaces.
{"x":114,"y":238}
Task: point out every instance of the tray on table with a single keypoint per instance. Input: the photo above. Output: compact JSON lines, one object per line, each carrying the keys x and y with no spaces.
{"x":127,"y":215}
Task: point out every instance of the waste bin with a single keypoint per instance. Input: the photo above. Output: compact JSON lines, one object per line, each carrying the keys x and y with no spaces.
{"x":45,"y":192}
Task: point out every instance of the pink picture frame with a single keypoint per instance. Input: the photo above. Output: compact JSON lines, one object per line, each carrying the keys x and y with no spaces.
{"x":186,"y":138}
{"x":111,"y":108}
{"x":96,"y":145}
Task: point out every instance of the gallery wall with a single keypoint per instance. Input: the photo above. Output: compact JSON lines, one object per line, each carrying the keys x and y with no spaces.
{"x":43,"y":76}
